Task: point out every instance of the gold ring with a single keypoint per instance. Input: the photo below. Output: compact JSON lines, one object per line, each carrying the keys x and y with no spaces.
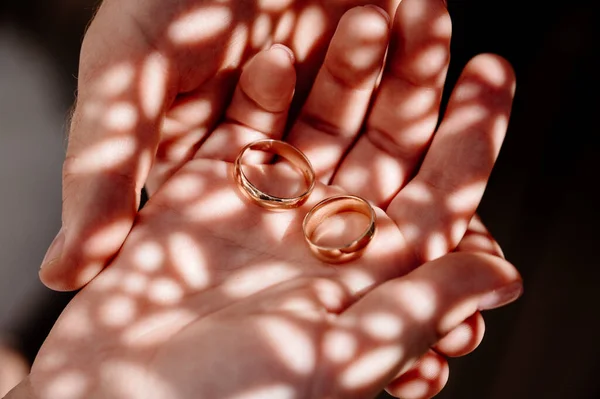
{"x":333,"y":206}
{"x":292,"y":155}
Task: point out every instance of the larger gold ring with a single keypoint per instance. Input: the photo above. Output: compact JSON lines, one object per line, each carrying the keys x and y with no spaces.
{"x":332,"y":206}
{"x":292,"y":155}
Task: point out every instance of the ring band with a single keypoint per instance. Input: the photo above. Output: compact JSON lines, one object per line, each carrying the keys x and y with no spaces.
{"x":292,"y":155}
{"x":332,"y":206}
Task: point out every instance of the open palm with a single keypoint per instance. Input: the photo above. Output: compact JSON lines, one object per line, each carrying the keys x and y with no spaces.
{"x":213,"y":296}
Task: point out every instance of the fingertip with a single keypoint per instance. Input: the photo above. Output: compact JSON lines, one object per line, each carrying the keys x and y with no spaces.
{"x":270,"y":78}
{"x":424,"y":380}
{"x":493,"y":70}
{"x":66,"y":277}
{"x":380,"y":10}
{"x":278,"y":48}
{"x":86,"y":248}
{"x":464,"y":339}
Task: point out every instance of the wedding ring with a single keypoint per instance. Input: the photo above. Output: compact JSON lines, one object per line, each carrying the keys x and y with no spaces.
{"x":333,"y":206}
{"x":292,"y":155}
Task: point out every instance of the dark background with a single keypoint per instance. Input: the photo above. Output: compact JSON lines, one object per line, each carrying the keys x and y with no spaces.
{"x":540,"y":203}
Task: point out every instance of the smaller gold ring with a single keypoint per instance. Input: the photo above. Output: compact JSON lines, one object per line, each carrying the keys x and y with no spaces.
{"x":333,"y":206}
{"x":292,"y":155}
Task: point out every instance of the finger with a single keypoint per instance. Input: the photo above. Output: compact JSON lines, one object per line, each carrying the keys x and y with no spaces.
{"x":464,"y":339}
{"x":424,"y":380}
{"x":259,"y":107}
{"x":397,"y":322}
{"x":434,"y":209}
{"x":406,"y":109}
{"x":123,"y":90}
{"x":337,"y":104}
{"x":186,"y":124}
{"x":479,"y":239}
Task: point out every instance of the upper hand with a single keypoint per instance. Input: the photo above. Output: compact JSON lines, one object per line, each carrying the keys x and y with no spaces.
{"x":154,"y":79}
{"x":204,"y":270}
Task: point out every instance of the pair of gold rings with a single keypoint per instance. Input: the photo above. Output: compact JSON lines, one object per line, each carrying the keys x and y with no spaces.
{"x":319,"y":213}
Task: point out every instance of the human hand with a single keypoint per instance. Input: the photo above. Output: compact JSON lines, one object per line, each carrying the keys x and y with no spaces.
{"x":205,"y":275}
{"x":154,"y":79}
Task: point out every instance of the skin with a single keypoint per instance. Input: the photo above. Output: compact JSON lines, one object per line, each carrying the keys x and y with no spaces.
{"x":195,"y":306}
{"x":420,"y":218}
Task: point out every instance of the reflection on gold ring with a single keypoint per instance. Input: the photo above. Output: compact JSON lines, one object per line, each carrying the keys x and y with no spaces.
{"x":333,"y":206}
{"x":291,"y":154}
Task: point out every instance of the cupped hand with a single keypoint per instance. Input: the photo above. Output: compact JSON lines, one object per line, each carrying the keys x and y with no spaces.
{"x":154,"y":80}
{"x":212,"y":296}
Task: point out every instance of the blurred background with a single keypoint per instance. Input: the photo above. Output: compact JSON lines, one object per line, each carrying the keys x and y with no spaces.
{"x":540,"y":203}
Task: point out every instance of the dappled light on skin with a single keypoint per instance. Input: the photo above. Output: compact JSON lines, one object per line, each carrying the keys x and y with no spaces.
{"x":165,"y":291}
{"x":358,"y":175}
{"x":414,"y":389}
{"x":468,"y":114}
{"x":201,"y":25}
{"x":418,"y":192}
{"x":129,"y":376}
{"x":153,"y":84}
{"x":189,"y":261}
{"x":440,"y":27}
{"x":311,"y":23}
{"x":463,"y":336}
{"x":279,"y":391}
{"x":238,"y":41}
{"x":436,"y":244}
{"x":135,"y":284}
{"x":284,"y":27}
{"x":305,"y":308}
{"x":382,"y":326}
{"x":465,"y":198}
{"x":363,"y":47}
{"x":116,"y":81}
{"x":417,"y":108}
{"x":121,"y":117}
{"x":193,"y":111}
{"x":356,"y":279}
{"x":431,"y":63}
{"x":418,"y":298}
{"x":232,"y":136}
{"x":279,"y":225}
{"x":339,"y":346}
{"x":156,"y":327}
{"x":103,"y":241}
{"x":294,"y":347}
{"x":251,"y":279}
{"x":148,"y":256}
{"x":496,"y":73}
{"x":52,"y":361}
{"x":107,"y":155}
{"x":330,"y":294}
{"x":370,"y":367}
{"x":261,"y":30}
{"x":274,"y":6}
{"x":67,"y":384}
{"x":107,"y":281}
{"x":226,"y":201}
{"x":80,"y":321}
{"x":118,"y":311}
{"x":430,"y":367}
{"x":201,"y":258}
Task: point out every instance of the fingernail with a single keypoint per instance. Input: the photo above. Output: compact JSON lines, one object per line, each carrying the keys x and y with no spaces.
{"x":289,"y":52}
{"x":502,"y":296}
{"x":55,"y":249}
{"x":381,"y":11}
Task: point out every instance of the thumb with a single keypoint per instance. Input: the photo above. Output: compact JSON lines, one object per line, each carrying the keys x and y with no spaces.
{"x":397,"y":323}
{"x":124,"y":86}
